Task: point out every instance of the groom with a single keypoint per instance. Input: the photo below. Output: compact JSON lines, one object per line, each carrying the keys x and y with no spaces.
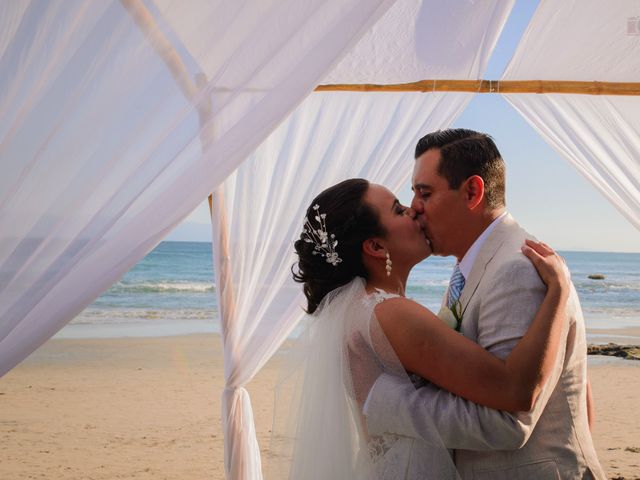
{"x":459,"y":196}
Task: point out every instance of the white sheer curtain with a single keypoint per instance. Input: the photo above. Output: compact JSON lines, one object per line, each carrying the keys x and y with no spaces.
{"x":259,"y":212}
{"x":101,"y":144}
{"x":599,"y":135}
{"x":418,"y":39}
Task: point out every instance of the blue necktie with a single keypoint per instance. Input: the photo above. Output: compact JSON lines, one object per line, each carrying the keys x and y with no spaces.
{"x":456,"y":284}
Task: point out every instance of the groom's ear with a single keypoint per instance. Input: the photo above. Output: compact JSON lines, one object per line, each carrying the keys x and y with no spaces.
{"x":474,"y":191}
{"x":373,"y":248}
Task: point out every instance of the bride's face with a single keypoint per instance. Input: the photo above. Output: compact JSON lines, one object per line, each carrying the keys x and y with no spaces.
{"x":405,"y":240}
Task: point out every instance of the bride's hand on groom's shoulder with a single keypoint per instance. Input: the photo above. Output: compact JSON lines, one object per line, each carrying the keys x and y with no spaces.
{"x":550,"y":266}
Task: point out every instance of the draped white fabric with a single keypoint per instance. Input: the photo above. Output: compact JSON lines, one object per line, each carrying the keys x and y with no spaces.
{"x":104,"y":149}
{"x":259,"y":213}
{"x":418,"y":39}
{"x":579,"y":40}
{"x":599,"y":135}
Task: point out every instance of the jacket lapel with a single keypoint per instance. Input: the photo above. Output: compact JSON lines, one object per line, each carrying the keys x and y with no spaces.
{"x":487,"y":252}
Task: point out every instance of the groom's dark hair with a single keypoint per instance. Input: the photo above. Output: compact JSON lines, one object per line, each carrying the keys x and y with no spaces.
{"x":464,"y":153}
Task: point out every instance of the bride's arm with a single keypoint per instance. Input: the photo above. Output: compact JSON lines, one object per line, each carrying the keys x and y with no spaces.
{"x":426,"y":346}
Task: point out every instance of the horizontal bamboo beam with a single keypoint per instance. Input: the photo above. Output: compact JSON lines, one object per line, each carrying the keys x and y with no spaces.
{"x":494,"y":86}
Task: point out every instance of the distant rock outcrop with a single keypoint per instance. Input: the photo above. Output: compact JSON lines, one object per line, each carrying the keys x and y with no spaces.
{"x":596,"y":276}
{"x":630,"y":352}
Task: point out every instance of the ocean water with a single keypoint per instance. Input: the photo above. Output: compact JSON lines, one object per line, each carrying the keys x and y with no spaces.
{"x":171,"y":292}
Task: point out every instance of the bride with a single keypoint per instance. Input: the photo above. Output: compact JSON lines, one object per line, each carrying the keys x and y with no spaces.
{"x":355,"y":253}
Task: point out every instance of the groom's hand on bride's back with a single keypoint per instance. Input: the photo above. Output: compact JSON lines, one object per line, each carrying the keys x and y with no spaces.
{"x":363,"y":367}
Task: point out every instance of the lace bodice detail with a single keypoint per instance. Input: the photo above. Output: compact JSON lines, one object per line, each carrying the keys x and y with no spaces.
{"x":379,"y":445}
{"x":379,"y":296}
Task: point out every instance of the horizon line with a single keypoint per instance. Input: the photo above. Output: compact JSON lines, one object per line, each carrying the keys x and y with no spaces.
{"x":573,"y":250}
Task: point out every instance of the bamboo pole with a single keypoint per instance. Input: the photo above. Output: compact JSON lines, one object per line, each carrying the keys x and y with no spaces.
{"x":225,"y":283}
{"x":144,"y":19}
{"x":494,"y":86}
{"x":193,"y":90}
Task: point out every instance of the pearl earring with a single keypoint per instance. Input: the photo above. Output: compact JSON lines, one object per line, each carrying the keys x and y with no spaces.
{"x":389,"y":263}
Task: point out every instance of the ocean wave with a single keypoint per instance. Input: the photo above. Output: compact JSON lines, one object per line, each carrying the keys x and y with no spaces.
{"x":604,"y":286}
{"x":428,"y":288}
{"x":162,"y":287}
{"x":625,"y":286}
{"x":613,"y":312}
{"x":136,"y":315}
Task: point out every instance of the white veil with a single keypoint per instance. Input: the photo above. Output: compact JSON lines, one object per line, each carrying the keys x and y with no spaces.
{"x":319,"y":431}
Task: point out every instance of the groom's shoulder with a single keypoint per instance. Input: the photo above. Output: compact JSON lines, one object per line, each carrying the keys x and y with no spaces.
{"x":512,"y":237}
{"x":510,"y":263}
{"x":513,"y":232}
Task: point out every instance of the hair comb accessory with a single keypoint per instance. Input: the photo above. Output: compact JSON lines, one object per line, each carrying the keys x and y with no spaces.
{"x":325,"y":244}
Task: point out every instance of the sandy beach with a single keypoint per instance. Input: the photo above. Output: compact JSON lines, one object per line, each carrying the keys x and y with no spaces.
{"x":149,"y":408}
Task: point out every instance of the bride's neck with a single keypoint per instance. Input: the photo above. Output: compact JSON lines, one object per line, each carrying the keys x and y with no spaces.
{"x":394,"y":283}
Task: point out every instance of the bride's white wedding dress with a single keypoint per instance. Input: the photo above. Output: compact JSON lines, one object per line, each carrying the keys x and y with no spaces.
{"x":320,"y":428}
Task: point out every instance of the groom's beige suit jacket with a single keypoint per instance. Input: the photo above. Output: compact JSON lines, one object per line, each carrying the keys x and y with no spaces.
{"x":552,"y":441}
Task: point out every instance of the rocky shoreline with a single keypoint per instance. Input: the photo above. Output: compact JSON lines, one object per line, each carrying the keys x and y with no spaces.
{"x":629,"y":352}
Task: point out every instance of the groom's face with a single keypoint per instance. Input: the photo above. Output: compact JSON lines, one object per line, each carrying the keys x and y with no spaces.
{"x":440,"y":209}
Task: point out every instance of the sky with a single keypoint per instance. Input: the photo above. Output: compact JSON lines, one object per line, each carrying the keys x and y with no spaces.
{"x":545,"y":194}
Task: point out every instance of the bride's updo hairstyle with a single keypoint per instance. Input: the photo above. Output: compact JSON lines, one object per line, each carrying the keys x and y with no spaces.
{"x":352,"y":221}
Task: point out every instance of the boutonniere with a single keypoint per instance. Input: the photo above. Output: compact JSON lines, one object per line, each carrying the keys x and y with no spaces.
{"x":452,"y":316}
